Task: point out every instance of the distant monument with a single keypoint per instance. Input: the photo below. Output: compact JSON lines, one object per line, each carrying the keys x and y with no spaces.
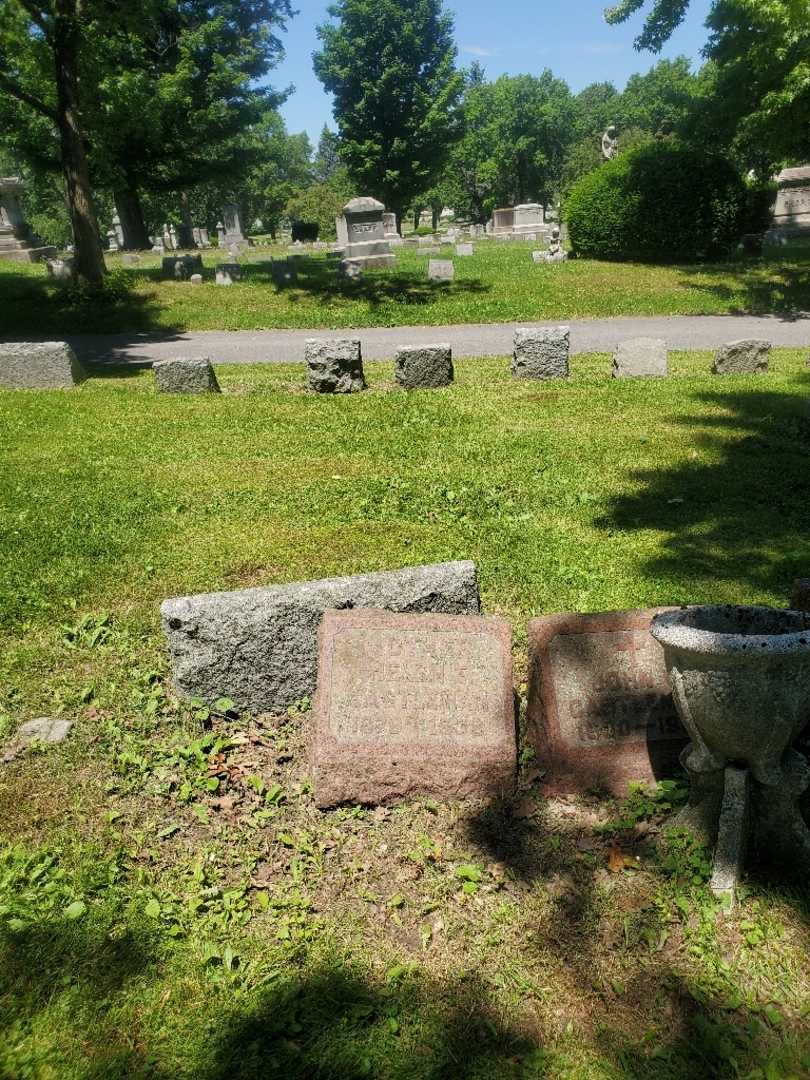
{"x":791,"y":215}
{"x":365,"y":245}
{"x":16,"y":239}
{"x":526,"y":220}
{"x":610,"y":143}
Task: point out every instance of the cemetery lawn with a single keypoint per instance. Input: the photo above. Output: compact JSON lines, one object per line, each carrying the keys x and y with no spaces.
{"x":172,"y":905}
{"x":500,"y":283}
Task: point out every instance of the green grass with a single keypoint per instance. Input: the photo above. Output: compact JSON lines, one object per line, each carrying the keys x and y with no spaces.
{"x":171,"y":902}
{"x":499,"y":283}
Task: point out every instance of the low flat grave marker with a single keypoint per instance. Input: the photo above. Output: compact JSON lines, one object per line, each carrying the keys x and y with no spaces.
{"x":185,"y":375}
{"x":411,"y":705}
{"x":464,"y":250}
{"x":441,"y":270}
{"x":746,"y":357}
{"x":541,"y":353}
{"x":600,"y":708}
{"x":640,"y":358}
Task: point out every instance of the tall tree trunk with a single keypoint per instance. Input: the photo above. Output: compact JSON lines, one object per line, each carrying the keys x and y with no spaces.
{"x":130,"y":214}
{"x":186,"y":237}
{"x":89,"y":260}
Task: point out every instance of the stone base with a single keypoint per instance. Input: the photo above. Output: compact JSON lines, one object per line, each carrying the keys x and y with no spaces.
{"x":369,"y":262}
{"x":29,"y":255}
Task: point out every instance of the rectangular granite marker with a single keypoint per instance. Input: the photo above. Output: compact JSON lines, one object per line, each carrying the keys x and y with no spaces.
{"x":413,"y":705}
{"x":600,"y":710}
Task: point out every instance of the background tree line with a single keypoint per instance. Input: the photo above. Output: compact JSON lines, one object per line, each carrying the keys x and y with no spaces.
{"x":162,"y":111}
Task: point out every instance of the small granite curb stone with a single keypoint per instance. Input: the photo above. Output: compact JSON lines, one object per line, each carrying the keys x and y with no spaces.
{"x":258,"y":646}
{"x":185,"y":375}
{"x":418,"y":367}
{"x":746,"y":357}
{"x":640,"y":358}
{"x":413,"y":705}
{"x":541,"y":353}
{"x":334,"y":365}
{"x":42,"y":365}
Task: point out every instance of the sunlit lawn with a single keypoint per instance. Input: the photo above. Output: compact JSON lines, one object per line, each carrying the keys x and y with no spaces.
{"x":499,"y":283}
{"x":171,"y":902}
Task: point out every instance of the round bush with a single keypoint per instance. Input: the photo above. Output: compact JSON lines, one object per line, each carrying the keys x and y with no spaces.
{"x":660,"y":201}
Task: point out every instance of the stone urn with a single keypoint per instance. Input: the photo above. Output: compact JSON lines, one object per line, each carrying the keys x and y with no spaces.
{"x":741,"y":683}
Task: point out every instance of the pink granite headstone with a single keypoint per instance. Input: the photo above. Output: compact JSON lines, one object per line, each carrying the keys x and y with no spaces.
{"x":600,"y":709}
{"x":413,"y":705}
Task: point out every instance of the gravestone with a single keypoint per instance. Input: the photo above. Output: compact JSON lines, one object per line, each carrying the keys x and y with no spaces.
{"x":600,"y":711}
{"x":342,"y":231}
{"x":503,"y":221}
{"x":334,"y":365}
{"x":283,"y":272}
{"x":16,"y":239}
{"x":418,"y":367}
{"x":185,"y":375}
{"x":196,"y":279}
{"x":441,"y":270}
{"x":258,"y":646}
{"x":745,"y":357}
{"x":464,"y":249}
{"x":539,"y":256}
{"x":430,"y":249}
{"x":118,"y":229}
{"x":413,"y":705}
{"x":528,"y":219}
{"x":227,"y":273}
{"x":800,"y":597}
{"x":130,"y":259}
{"x":791,"y":216}
{"x":63,"y":270}
{"x":390,"y":227}
{"x":233,"y":238}
{"x":181,"y":267}
{"x":366,"y":244}
{"x":40,"y":365}
{"x":640,"y":358}
{"x":541,"y":353}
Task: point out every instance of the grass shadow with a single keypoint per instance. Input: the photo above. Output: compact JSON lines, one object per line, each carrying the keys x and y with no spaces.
{"x":767,"y":287}
{"x":738,"y":512}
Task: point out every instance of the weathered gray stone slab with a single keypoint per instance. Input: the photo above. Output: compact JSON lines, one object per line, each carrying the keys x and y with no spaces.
{"x":227,"y":273}
{"x":411,"y":705}
{"x":640,"y":358}
{"x":464,"y":249}
{"x":600,"y":709}
{"x":258,"y":646}
{"x":185,"y":375}
{"x":196,"y":279}
{"x":334,"y":365}
{"x":419,"y":367}
{"x":745,"y":357}
{"x":41,"y":730}
{"x":441,"y":270}
{"x":39,"y":365}
{"x":542,"y":354}
{"x":181,"y":267}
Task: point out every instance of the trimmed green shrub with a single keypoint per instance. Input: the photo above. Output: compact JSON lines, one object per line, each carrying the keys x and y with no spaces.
{"x":660,"y":201}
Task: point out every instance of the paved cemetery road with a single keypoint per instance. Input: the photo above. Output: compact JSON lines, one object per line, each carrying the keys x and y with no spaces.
{"x":494,"y":339}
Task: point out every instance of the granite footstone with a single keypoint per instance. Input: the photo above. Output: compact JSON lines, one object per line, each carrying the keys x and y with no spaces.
{"x":745,"y":357}
{"x":541,"y":353}
{"x":640,"y":358}
{"x":420,"y":367}
{"x":410,"y":706}
{"x":43,"y":729}
{"x":39,"y":365}
{"x":600,"y":710}
{"x":441,"y":270}
{"x":334,"y":365}
{"x":185,"y":375}
{"x":258,"y":646}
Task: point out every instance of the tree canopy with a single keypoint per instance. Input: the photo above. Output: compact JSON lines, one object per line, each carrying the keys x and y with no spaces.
{"x":390,"y":65}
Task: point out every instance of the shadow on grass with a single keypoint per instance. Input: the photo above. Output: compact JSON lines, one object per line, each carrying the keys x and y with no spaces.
{"x":742,"y":517}
{"x":768,"y":287}
{"x":321,"y":279}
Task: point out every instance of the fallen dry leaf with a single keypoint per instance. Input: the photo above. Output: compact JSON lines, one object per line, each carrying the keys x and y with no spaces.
{"x":619,"y":860}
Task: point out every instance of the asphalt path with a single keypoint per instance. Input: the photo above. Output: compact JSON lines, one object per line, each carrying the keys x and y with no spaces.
{"x":491,"y":339}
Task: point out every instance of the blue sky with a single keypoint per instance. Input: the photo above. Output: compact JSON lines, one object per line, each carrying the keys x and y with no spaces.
{"x":513,"y":37}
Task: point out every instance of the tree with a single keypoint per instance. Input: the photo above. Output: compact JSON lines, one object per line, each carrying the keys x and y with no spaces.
{"x":759,"y":86}
{"x":283,"y":168}
{"x":391,"y":67}
{"x":40,"y":44}
{"x":327,"y":164}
